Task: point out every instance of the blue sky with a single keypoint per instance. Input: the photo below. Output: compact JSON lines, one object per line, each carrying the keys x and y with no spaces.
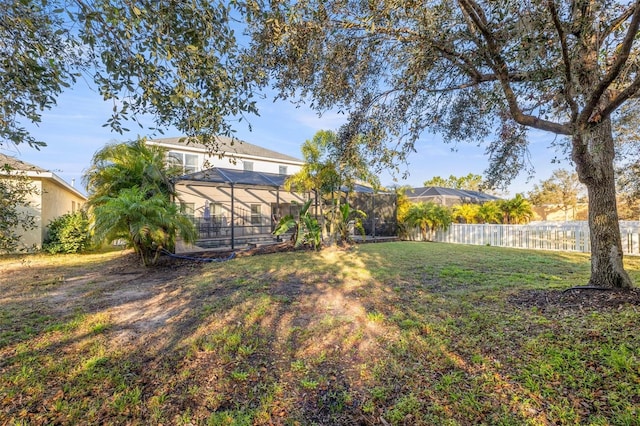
{"x":73,"y":132}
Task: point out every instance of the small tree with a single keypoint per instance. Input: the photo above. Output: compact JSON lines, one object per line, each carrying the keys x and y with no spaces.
{"x":68,"y":233}
{"x":467,"y":213}
{"x":15,"y":190}
{"x":490,"y":212}
{"x":516,"y":210}
{"x":429,"y":217}
{"x":403,"y":204}
{"x":347,"y":216}
{"x":562,"y":189}
{"x":130,"y":194}
{"x":306,"y":230}
{"x":331,"y":171}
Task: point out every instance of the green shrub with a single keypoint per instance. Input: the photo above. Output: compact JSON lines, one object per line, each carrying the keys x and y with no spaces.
{"x":68,"y":233}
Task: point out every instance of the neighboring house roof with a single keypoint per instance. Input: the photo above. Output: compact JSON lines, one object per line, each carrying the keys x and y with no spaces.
{"x":462,"y":194}
{"x":33,"y":171}
{"x":228,"y":146}
{"x":20,"y":165}
{"x":218,"y":175}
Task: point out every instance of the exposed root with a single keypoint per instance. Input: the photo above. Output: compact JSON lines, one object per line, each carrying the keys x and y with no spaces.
{"x":588,"y":287}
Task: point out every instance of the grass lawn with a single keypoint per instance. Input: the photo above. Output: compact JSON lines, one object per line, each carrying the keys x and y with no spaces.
{"x":394,"y":333}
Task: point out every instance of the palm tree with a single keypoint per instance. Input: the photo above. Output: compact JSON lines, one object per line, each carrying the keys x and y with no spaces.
{"x":467,"y":212}
{"x":130,"y":198}
{"x":428,"y":217}
{"x":318,"y":174}
{"x":125,"y":165}
{"x":329,"y":168}
{"x":516,"y":210}
{"x":149,"y":224}
{"x":490,"y":212}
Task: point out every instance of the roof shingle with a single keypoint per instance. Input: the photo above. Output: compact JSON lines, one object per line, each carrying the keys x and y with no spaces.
{"x":230,"y":146}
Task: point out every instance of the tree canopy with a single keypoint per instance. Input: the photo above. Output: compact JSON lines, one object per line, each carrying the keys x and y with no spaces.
{"x":471,"y":70}
{"x":177,"y":61}
{"x":562,"y":189}
{"x":470,"y":182}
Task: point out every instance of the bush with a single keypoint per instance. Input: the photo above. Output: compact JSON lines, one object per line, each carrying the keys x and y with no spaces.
{"x":68,"y":233}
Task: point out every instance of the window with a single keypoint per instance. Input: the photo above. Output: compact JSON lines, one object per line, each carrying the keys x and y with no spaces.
{"x":217,"y":213}
{"x":175,"y":158}
{"x":187,"y":208}
{"x":282,"y":170}
{"x":255,"y":214}
{"x":212,"y":210}
{"x":73,"y":207}
{"x":248,"y":166}
{"x":188,"y":162}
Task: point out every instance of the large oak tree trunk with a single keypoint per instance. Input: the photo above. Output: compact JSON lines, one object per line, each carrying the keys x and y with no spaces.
{"x":593,"y":153}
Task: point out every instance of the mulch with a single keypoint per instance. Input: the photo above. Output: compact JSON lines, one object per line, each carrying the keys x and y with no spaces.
{"x":577,"y":299}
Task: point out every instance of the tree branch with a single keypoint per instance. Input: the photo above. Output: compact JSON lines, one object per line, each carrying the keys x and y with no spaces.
{"x":565,"y":59}
{"x":617,"y":22}
{"x":473,"y":11}
{"x":621,"y":97}
{"x":614,"y":70}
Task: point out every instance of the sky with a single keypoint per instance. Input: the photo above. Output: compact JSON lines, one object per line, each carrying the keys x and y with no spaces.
{"x":73,"y":131}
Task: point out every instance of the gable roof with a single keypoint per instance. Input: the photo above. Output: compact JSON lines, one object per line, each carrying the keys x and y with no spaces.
{"x":33,"y":171}
{"x":462,"y":194}
{"x":228,"y":146}
{"x":20,"y":165}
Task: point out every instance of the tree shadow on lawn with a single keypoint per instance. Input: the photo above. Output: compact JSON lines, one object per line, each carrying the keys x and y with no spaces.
{"x":333,"y":343}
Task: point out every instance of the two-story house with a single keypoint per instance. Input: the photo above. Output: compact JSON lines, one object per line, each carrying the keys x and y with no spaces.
{"x":235,"y":195}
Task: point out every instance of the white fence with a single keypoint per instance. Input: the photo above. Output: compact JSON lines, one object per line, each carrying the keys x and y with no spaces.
{"x":564,"y":236}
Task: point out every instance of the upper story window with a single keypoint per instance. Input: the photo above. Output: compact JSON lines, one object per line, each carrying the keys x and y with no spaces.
{"x":282,"y":170}
{"x":248,"y":166}
{"x":188,"y":162}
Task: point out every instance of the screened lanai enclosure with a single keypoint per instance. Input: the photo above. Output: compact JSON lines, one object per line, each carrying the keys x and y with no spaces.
{"x":235,"y":208}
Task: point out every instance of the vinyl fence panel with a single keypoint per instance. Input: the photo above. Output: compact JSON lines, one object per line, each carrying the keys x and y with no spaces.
{"x":564,"y":236}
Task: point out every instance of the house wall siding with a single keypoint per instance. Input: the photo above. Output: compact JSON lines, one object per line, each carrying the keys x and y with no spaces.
{"x":32,"y":237}
{"x":56,"y":201}
{"x":230,"y":160}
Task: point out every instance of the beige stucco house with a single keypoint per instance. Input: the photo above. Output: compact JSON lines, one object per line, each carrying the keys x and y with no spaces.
{"x":234,"y":195}
{"x":52,"y":197}
{"x":229,"y":154}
